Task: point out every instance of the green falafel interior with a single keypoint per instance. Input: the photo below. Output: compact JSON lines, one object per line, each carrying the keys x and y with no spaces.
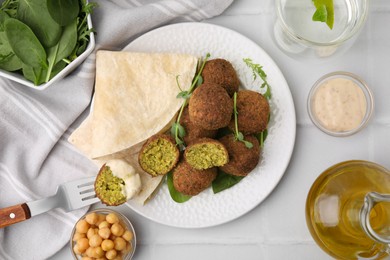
{"x":117,"y":182}
{"x":108,"y":187}
{"x":206,"y":153}
{"x":159,"y":155}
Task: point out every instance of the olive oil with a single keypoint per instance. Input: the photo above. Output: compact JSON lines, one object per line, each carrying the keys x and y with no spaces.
{"x":333,"y":210}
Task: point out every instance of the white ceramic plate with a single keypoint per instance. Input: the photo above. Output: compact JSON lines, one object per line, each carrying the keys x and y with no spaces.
{"x":208,"y":209}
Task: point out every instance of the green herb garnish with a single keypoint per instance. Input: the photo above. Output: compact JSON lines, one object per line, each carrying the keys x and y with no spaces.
{"x":237,"y":134}
{"x":257,"y":71}
{"x":224,"y":181}
{"x":39,"y":38}
{"x":177,"y":130}
{"x":324,"y":12}
{"x":175,"y":195}
{"x":261,"y":137}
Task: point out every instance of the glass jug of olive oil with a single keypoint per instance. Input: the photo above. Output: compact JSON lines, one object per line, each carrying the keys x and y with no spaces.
{"x":348,"y":211}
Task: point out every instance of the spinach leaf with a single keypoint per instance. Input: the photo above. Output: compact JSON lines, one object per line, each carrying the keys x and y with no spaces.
{"x":63,"y":11}
{"x":34,"y":74}
{"x":10,"y":7}
{"x":67,"y":41}
{"x":24,"y":43}
{"x":224,"y":181}
{"x":8,"y":60}
{"x":175,"y":195}
{"x":34,"y":13}
{"x":63,"y":48}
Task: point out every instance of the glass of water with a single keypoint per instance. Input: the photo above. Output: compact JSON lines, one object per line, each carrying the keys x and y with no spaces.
{"x":300,"y":37}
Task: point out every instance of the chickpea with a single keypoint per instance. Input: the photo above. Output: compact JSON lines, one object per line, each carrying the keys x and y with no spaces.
{"x":104,"y":232}
{"x":104,"y":224}
{"x":107,"y":245}
{"x":91,"y":218}
{"x":118,"y":257}
{"x":101,"y":218}
{"x":117,"y":229}
{"x":95,"y":240}
{"x":91,"y":231}
{"x":111,"y":254}
{"x":82,"y":226}
{"x":112,"y":218}
{"x":128,"y":248}
{"x":77,"y":236}
{"x":90,"y":252}
{"x":76,"y":250}
{"x":98,"y":252}
{"x":82,"y":244}
{"x":128,"y":235}
{"x":86,"y":258}
{"x":119,"y":243}
{"x":112,"y":237}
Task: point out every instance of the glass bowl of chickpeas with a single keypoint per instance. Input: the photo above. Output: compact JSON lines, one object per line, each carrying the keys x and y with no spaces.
{"x":103,"y":234}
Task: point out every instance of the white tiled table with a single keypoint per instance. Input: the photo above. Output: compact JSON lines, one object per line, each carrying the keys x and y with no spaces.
{"x":276,"y":229}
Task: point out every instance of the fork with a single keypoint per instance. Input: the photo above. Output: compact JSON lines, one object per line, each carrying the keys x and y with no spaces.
{"x":69,"y":196}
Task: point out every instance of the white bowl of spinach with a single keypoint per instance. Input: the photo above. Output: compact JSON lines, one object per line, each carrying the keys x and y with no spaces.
{"x":42,"y":41}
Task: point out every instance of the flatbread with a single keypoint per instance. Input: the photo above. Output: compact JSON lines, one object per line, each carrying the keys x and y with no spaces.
{"x":135,"y":98}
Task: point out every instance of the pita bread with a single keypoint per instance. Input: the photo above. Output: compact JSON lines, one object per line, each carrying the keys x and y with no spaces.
{"x":135,"y":98}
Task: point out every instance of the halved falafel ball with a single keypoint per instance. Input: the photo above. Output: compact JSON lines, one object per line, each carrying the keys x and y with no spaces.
{"x":158,"y":155}
{"x":108,"y":188}
{"x":253,"y":112}
{"x":210,"y":106}
{"x":206,"y":153}
{"x":194,"y":131}
{"x":191,"y":181}
{"x":221,"y":71}
{"x":242,"y":160}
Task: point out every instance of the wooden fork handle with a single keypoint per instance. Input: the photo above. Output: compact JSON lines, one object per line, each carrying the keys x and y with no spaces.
{"x":14,"y":214}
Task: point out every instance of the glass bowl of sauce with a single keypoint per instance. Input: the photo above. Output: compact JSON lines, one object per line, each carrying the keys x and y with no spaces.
{"x":340,"y":104}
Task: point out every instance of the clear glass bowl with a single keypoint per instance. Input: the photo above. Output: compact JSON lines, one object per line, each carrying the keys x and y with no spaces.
{"x":297,"y":35}
{"x":124,"y":221}
{"x":360,"y":83}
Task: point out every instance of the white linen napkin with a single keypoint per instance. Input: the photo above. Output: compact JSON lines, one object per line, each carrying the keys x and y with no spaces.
{"x":35,"y":155}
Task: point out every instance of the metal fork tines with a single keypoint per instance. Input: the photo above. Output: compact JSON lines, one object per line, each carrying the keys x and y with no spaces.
{"x":69,"y":196}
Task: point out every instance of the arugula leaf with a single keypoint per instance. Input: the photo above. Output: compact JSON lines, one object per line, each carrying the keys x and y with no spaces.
{"x":257,"y":71}
{"x":224,"y":181}
{"x":175,"y":195}
{"x":238,"y":135}
{"x":262,"y":136}
{"x":177,"y":130}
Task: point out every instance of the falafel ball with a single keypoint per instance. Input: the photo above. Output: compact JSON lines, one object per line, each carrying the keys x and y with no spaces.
{"x":206,"y":153}
{"x":191,"y":181}
{"x":253,"y":112}
{"x":193,"y":131}
{"x":221,"y":71}
{"x":158,"y":155}
{"x":210,"y":106}
{"x":242,"y":160}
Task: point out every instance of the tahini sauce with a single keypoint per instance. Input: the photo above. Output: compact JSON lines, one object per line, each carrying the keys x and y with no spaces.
{"x":339,"y":105}
{"x":126,"y":172}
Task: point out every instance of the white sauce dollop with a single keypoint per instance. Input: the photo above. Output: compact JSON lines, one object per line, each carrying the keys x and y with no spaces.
{"x":121,"y":169}
{"x":339,"y":105}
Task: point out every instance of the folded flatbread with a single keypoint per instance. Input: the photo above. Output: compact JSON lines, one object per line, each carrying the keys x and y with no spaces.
{"x":135,"y":98}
